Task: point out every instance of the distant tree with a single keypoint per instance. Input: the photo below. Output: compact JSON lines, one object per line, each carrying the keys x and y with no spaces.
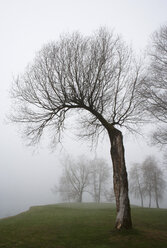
{"x":100,"y":173}
{"x":155,"y":87}
{"x":109,"y":194}
{"x":98,"y":77}
{"x":64,"y":190}
{"x":154,"y":181}
{"x":137,"y":187}
{"x":74,"y":180}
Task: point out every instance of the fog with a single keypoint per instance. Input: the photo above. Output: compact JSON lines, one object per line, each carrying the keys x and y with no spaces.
{"x":27,"y":174}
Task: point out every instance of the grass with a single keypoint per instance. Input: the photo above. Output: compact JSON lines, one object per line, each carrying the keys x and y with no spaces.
{"x":83,"y":226}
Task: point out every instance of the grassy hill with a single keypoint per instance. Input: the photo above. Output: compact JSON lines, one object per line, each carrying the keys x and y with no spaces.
{"x":82,"y":226}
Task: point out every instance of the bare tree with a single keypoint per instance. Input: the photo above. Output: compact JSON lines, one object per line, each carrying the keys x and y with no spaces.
{"x":100,"y":173}
{"x":74,"y":180}
{"x":65,"y":190}
{"x":109,"y":194}
{"x":155,"y":88}
{"x":137,"y":187}
{"x":154,"y":182}
{"x":97,"y":77}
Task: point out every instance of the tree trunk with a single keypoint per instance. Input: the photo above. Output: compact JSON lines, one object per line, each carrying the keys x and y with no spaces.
{"x":80,"y":197}
{"x":156,"y":199}
{"x":149,"y":200}
{"x":157,"y":203}
{"x":123,"y":218}
{"x":141,"y":196}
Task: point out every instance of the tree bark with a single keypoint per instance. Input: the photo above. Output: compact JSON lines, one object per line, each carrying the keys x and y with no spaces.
{"x":123,"y":218}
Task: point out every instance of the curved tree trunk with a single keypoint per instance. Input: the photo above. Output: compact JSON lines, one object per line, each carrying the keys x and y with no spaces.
{"x":123,"y":218}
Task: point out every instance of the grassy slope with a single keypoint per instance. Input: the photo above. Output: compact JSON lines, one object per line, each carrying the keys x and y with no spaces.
{"x":82,"y":226}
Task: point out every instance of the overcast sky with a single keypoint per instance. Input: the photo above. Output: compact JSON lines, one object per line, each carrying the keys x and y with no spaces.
{"x":26,"y":177}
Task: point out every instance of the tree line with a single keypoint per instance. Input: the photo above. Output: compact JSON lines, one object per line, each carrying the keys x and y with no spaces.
{"x":147,"y":181}
{"x":93,"y":177}
{"x":83,"y":175}
{"x":99,"y":80}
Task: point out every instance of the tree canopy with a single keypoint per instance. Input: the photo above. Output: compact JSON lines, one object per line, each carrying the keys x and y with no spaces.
{"x":154,"y":88}
{"x":96,"y":75}
{"x":99,"y":78}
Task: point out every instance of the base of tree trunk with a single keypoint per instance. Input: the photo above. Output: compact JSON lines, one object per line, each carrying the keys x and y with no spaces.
{"x":123,"y":218}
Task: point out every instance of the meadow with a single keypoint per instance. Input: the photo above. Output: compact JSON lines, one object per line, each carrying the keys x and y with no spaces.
{"x":86,"y":225}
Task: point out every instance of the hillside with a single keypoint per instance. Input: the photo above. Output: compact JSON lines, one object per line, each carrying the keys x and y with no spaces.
{"x":82,"y":226}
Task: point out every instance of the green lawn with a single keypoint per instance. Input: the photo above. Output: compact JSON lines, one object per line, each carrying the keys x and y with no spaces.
{"x":83,"y":226}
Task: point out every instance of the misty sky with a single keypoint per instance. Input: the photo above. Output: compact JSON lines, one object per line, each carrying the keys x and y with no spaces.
{"x":27,"y":175}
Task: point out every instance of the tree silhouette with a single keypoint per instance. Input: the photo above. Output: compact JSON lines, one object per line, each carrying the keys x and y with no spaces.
{"x":97,"y":78}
